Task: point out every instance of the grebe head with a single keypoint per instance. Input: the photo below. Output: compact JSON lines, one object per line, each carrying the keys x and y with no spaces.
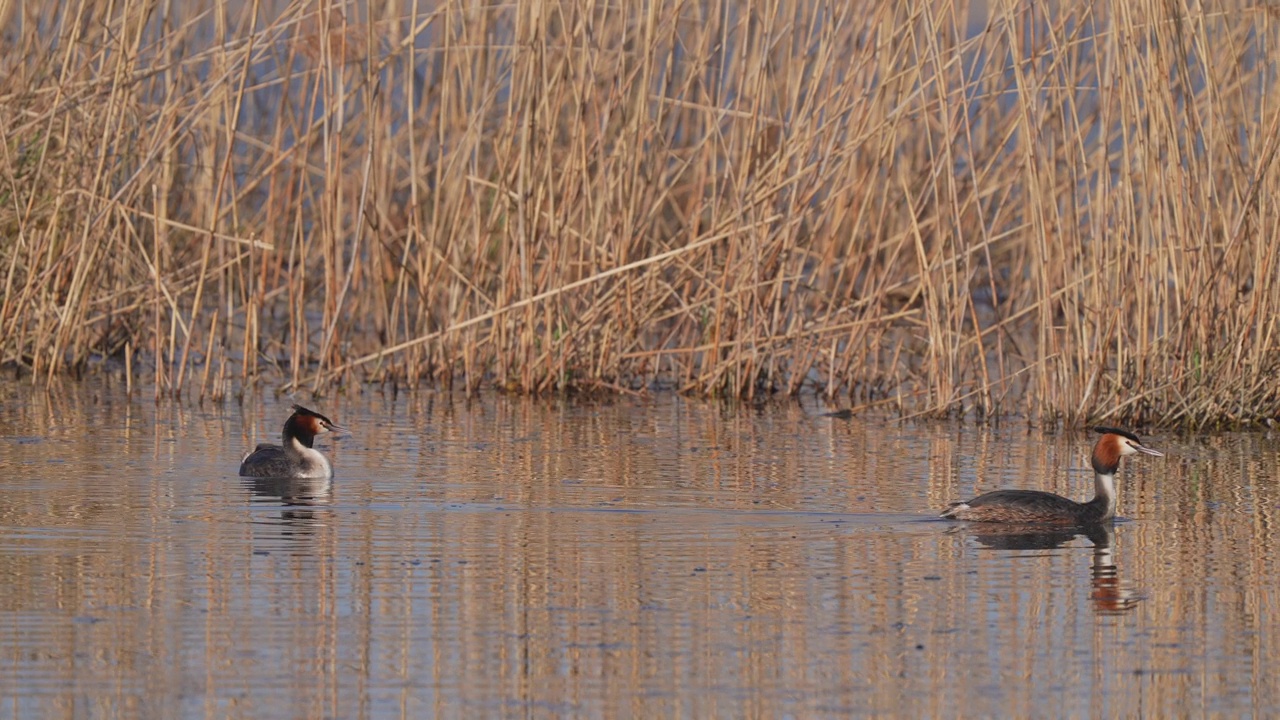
{"x":305,"y":425}
{"x":1113,"y":445}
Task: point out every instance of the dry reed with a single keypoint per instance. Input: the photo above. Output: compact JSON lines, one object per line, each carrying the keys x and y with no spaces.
{"x":1057,"y":210}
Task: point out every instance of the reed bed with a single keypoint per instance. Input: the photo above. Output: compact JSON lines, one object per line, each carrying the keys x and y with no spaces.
{"x":1055,"y":210}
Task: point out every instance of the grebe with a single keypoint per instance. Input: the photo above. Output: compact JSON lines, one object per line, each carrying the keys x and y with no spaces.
{"x":296,"y":459}
{"x":1034,"y":506}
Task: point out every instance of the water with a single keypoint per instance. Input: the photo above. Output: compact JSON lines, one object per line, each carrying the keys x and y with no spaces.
{"x":629,"y":558}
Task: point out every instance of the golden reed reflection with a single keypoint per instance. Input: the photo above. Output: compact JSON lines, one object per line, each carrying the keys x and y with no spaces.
{"x":616,"y":559}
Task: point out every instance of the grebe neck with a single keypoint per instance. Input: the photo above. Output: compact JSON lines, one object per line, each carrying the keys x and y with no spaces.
{"x":1105,"y":494}
{"x":313,"y":463}
{"x":294,"y":434}
{"x":296,"y":445}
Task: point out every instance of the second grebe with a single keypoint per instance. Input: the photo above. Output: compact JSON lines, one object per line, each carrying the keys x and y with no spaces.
{"x":296,"y":458}
{"x":1034,"y":506}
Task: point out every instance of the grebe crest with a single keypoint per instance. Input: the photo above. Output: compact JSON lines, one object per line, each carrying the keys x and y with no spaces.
{"x":294,"y":457}
{"x":1035,"y":506}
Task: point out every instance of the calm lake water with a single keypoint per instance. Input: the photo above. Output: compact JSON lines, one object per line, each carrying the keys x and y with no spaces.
{"x":629,"y":558}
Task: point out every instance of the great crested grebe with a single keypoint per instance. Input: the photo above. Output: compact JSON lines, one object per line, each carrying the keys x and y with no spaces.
{"x":1034,"y":506}
{"x":296,"y":459}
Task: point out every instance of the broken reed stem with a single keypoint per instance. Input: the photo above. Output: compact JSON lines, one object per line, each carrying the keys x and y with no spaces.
{"x":918,"y":205}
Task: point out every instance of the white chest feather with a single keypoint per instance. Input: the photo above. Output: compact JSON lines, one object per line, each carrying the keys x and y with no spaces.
{"x":311,"y":463}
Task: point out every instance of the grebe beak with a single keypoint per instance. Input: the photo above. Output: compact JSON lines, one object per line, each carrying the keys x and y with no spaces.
{"x":1144,"y":449}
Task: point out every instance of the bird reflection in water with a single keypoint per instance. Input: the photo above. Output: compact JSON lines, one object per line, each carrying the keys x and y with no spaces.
{"x":1109,"y":594}
{"x":303,"y":501}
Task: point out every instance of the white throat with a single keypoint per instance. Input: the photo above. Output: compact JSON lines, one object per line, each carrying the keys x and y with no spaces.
{"x":1105,"y":487}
